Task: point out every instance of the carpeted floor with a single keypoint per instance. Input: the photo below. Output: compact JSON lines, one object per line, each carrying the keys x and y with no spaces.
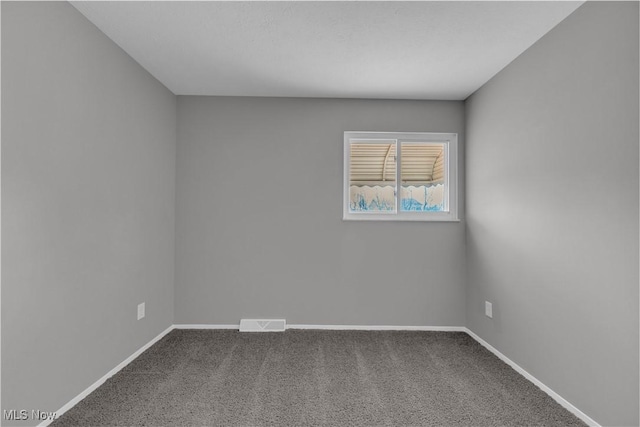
{"x":329,"y":378}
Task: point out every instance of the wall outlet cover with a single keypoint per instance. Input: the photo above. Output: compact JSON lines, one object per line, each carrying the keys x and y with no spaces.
{"x":140,"y":311}
{"x":488,"y":309}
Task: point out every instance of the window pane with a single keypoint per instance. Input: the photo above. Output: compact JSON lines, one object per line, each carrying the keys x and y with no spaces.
{"x":372,"y":176}
{"x":423,"y":177}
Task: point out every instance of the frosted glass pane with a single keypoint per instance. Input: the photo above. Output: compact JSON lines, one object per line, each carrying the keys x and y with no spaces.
{"x":423,"y":177}
{"x":423,"y":198}
{"x":372,"y":179}
{"x":372,"y":199}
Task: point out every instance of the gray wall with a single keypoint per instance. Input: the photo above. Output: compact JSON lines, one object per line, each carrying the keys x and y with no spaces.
{"x":88,"y":180}
{"x":253,"y":241}
{"x":552,"y":207}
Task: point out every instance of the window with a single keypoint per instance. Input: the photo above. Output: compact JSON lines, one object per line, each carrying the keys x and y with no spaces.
{"x":400,"y":176}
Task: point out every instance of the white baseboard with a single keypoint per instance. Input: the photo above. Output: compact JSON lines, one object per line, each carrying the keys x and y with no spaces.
{"x":108,"y":375}
{"x":337,"y":327}
{"x":380,"y":328}
{"x":562,"y":401}
{"x":205,"y":326}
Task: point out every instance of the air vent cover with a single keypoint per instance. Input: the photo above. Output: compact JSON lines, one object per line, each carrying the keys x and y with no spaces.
{"x":262,"y":325}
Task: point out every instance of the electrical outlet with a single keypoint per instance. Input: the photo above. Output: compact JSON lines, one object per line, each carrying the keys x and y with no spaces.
{"x":488,"y":309}
{"x":140,"y":311}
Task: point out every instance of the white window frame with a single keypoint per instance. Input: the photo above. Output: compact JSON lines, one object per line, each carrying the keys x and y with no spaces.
{"x":450,"y":140}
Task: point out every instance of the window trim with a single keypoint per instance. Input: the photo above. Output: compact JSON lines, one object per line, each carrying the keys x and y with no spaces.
{"x":451,"y":176}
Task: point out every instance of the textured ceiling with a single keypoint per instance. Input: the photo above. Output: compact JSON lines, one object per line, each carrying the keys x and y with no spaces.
{"x":397,"y":50}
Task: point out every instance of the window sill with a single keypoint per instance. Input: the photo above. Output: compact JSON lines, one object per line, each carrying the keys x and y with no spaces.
{"x":399,"y":218}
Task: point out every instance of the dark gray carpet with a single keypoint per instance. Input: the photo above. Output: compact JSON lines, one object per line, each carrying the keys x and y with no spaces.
{"x":331,"y":378}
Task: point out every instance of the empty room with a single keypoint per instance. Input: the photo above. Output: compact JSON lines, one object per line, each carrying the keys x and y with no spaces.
{"x":320,"y":213}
